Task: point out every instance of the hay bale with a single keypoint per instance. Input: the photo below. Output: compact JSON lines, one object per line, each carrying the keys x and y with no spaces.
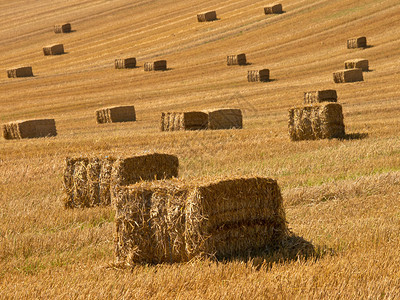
{"x":125,"y":63}
{"x":348,"y":75}
{"x":29,"y":129}
{"x":55,"y":49}
{"x":191,"y":120}
{"x":159,"y":65}
{"x":175,"y":221}
{"x":116,"y":114}
{"x":89,"y":182}
{"x":225,"y":118}
{"x":239,"y":59}
{"x":273,"y":9}
{"x":19,"y":72}
{"x":258,"y":75}
{"x":207,"y":16}
{"x":320,"y":96}
{"x":356,"y":64}
{"x":358,"y":42}
{"x":62,"y":28}
{"x":321,"y":121}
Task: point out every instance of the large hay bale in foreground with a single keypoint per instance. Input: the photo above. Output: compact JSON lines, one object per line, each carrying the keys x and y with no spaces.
{"x":225,"y":118}
{"x":273,"y":9}
{"x":356,"y":64}
{"x":174,"y":221}
{"x":62,"y":28}
{"x":320,"y":96}
{"x":55,"y":49}
{"x":20,"y":72}
{"x":159,"y":65}
{"x":89,"y":182}
{"x":239,"y":59}
{"x":323,"y":121}
{"x":125,"y":63}
{"x":358,"y":42}
{"x":258,"y":75}
{"x":348,"y":75}
{"x":207,"y":16}
{"x":192,"y":120}
{"x":29,"y":129}
{"x":116,"y":114}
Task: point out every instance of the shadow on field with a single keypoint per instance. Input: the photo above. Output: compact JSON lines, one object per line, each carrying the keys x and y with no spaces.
{"x":355,"y":136}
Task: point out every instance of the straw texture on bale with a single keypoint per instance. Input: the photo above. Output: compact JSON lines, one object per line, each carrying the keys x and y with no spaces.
{"x":358,"y":42}
{"x":125,"y":63}
{"x":29,"y":129}
{"x":159,"y":65}
{"x":239,"y":59}
{"x":192,"y":120}
{"x":356,"y":64}
{"x":20,"y":72}
{"x":320,"y":121}
{"x":273,"y":9}
{"x":348,"y":75}
{"x":225,"y":118}
{"x":175,"y":221}
{"x":116,"y":114}
{"x":258,"y":75}
{"x":320,"y":96}
{"x":55,"y":49}
{"x":89,"y":182}
{"x":63,"y":28}
{"x":207,"y":16}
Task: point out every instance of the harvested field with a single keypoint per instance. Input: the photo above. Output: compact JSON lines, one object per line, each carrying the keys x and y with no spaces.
{"x":356,"y":64}
{"x":207,"y":16}
{"x":125,"y":63}
{"x":20,"y":72}
{"x":320,"y":96}
{"x":175,"y":221}
{"x":116,"y":114}
{"x":159,"y":65}
{"x":348,"y":75}
{"x":273,"y":9}
{"x":258,"y":75}
{"x":225,"y":118}
{"x":358,"y":42}
{"x":191,"y":120}
{"x":55,"y":49}
{"x":62,"y":28}
{"x":29,"y":129}
{"x":239,"y":59}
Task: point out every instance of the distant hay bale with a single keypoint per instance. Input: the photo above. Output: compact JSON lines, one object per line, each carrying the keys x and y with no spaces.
{"x":320,"y":121}
{"x":258,"y":75}
{"x":89,"y":182}
{"x":225,"y":118}
{"x":348,"y":75}
{"x":356,"y":63}
{"x":55,"y":49}
{"x":239,"y":59}
{"x":192,"y":120}
{"x":125,"y":63}
{"x":320,"y":96}
{"x":358,"y":42}
{"x":20,"y":72}
{"x":62,"y":28}
{"x":29,"y":129}
{"x":207,"y":16}
{"x":175,"y":221}
{"x":159,"y":65}
{"x":273,"y":9}
{"x":116,"y":114}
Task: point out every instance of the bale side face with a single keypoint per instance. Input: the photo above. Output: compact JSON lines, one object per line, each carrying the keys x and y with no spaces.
{"x":20,"y":72}
{"x":207,"y":16}
{"x":348,"y":75}
{"x":320,"y":96}
{"x":125,"y":63}
{"x":195,"y":120}
{"x":239,"y":59}
{"x":359,"y":42}
{"x":62,"y":28}
{"x":53,"y":49}
{"x":122,"y":113}
{"x":274,"y":9}
{"x":159,"y":65}
{"x":30,"y":129}
{"x":356,"y":64}
{"x":225,"y":119}
{"x":258,"y":75}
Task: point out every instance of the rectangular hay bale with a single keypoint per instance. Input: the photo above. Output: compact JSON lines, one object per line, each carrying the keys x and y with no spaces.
{"x":55,"y":49}
{"x":116,"y":114}
{"x":62,"y":28}
{"x":225,"y":118}
{"x":207,"y":16}
{"x":258,"y":75}
{"x":19,"y":72}
{"x":159,"y":65}
{"x":358,"y":42}
{"x":356,"y":63}
{"x":192,"y":120}
{"x":29,"y":129}
{"x":320,"y":96}
{"x":239,"y":59}
{"x":273,"y":9}
{"x":348,"y":75}
{"x":125,"y":63}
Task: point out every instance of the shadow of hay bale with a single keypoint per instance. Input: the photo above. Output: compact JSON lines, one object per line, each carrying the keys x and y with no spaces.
{"x":355,"y":136}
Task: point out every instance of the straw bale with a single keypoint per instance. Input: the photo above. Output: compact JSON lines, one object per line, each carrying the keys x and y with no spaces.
{"x":191,"y":120}
{"x":125,"y":63}
{"x":320,"y":96}
{"x":55,"y":49}
{"x":258,"y":75}
{"x":116,"y":114}
{"x":273,"y":9}
{"x":62,"y":28}
{"x":29,"y":129}
{"x":207,"y":16}
{"x":358,"y":42}
{"x":319,"y":121}
{"x":239,"y":59}
{"x":356,"y":63}
{"x":20,"y":72}
{"x":175,"y":221}
{"x":88,"y":181}
{"x":225,"y":118}
{"x":348,"y":75}
{"x":159,"y":65}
